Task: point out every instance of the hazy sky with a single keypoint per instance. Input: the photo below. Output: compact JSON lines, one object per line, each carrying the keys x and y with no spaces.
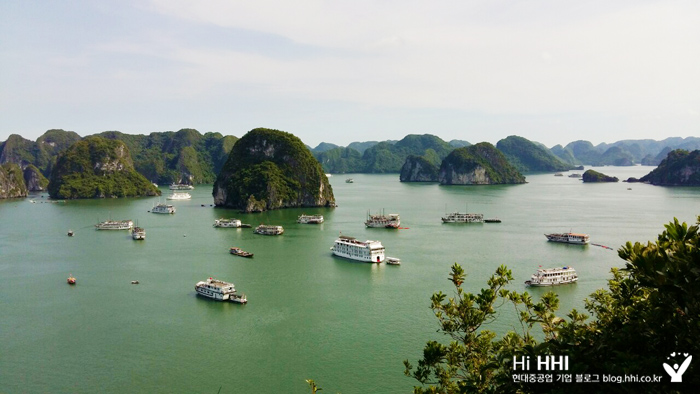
{"x":342,"y":71}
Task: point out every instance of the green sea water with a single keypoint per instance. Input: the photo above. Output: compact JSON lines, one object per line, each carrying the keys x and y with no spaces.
{"x":345,"y":324}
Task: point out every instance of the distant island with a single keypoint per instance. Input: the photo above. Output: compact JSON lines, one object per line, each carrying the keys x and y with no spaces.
{"x":188,"y":156}
{"x":679,"y":168}
{"x":592,"y":176}
{"x":271,"y":169}
{"x":97,"y":168}
{"x":480,"y":164}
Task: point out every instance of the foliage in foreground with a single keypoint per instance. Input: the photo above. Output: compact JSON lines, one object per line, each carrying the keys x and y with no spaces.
{"x":650,"y":310}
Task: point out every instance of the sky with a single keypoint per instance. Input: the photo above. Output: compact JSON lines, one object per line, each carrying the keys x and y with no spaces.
{"x":341,"y":71}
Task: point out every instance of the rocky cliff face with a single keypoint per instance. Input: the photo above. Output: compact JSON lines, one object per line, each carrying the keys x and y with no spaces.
{"x":418,"y":169}
{"x":11,"y":181}
{"x":679,"y":168}
{"x":480,"y":164}
{"x":270,"y":169}
{"x":97,"y":168}
{"x":34,"y":179}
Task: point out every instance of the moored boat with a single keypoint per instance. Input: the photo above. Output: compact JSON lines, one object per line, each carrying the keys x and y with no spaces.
{"x":179,"y":196}
{"x":219,"y":290}
{"x":456,"y":217}
{"x":227,"y":223}
{"x":138,"y":233}
{"x":569,"y":238}
{"x":558,"y":174}
{"x":392,"y":220}
{"x":392,"y":260}
{"x":553,"y":276}
{"x":269,"y":230}
{"x":240,"y":252}
{"x":310,"y":219}
{"x":115,"y":225}
{"x":163,"y":208}
{"x":351,"y":248}
{"x":492,"y":220}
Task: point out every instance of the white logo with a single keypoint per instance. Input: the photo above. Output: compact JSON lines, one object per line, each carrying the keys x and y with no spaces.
{"x":676,"y":372}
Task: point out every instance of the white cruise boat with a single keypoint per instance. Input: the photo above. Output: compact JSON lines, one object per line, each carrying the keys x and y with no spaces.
{"x":138,"y":233}
{"x":310,"y":219}
{"x":456,"y":217}
{"x":553,"y":276}
{"x":269,"y":230}
{"x":115,"y":225}
{"x":179,"y":196}
{"x":349,"y":180}
{"x":180,"y":186}
{"x":569,"y":238}
{"x":163,"y":208}
{"x":219,"y":290}
{"x":351,"y":248}
{"x":227,"y":223}
{"x":391,"y":220}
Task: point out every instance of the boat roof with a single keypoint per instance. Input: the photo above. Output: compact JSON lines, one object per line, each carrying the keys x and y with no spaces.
{"x":558,"y":269}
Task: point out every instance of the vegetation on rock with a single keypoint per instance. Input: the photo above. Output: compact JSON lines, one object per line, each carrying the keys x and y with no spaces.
{"x":184,"y":156}
{"x":340,"y":160}
{"x":679,"y":168}
{"x":271,"y":169}
{"x":476,"y":165}
{"x":650,"y":311}
{"x":527,"y":156}
{"x":591,"y":176}
{"x":97,"y":168}
{"x":385,"y":156}
{"x":12,"y":181}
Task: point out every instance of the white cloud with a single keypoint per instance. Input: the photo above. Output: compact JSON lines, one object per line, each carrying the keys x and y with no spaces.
{"x":440,"y":54}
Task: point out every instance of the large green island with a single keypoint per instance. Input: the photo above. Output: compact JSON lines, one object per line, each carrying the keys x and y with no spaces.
{"x":97,"y":168}
{"x":271,"y":169}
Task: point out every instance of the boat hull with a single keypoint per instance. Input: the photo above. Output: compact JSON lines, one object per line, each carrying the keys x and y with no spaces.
{"x":378,"y":258}
{"x":540,"y":284}
{"x":568,"y":239}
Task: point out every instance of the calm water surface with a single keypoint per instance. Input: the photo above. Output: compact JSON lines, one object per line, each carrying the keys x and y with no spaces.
{"x":310,"y":315}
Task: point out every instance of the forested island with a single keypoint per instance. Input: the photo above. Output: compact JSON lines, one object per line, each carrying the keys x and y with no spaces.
{"x":480,"y":164}
{"x":188,"y":156}
{"x":679,"y":168}
{"x":271,"y":169}
{"x":97,"y":168}
{"x":592,"y":176}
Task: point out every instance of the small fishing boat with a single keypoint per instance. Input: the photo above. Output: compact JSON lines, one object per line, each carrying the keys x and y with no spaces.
{"x":134,"y":282}
{"x":71,"y":280}
{"x":240,"y":252}
{"x":492,"y":220}
{"x":70,"y":233}
{"x":349,"y":180}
